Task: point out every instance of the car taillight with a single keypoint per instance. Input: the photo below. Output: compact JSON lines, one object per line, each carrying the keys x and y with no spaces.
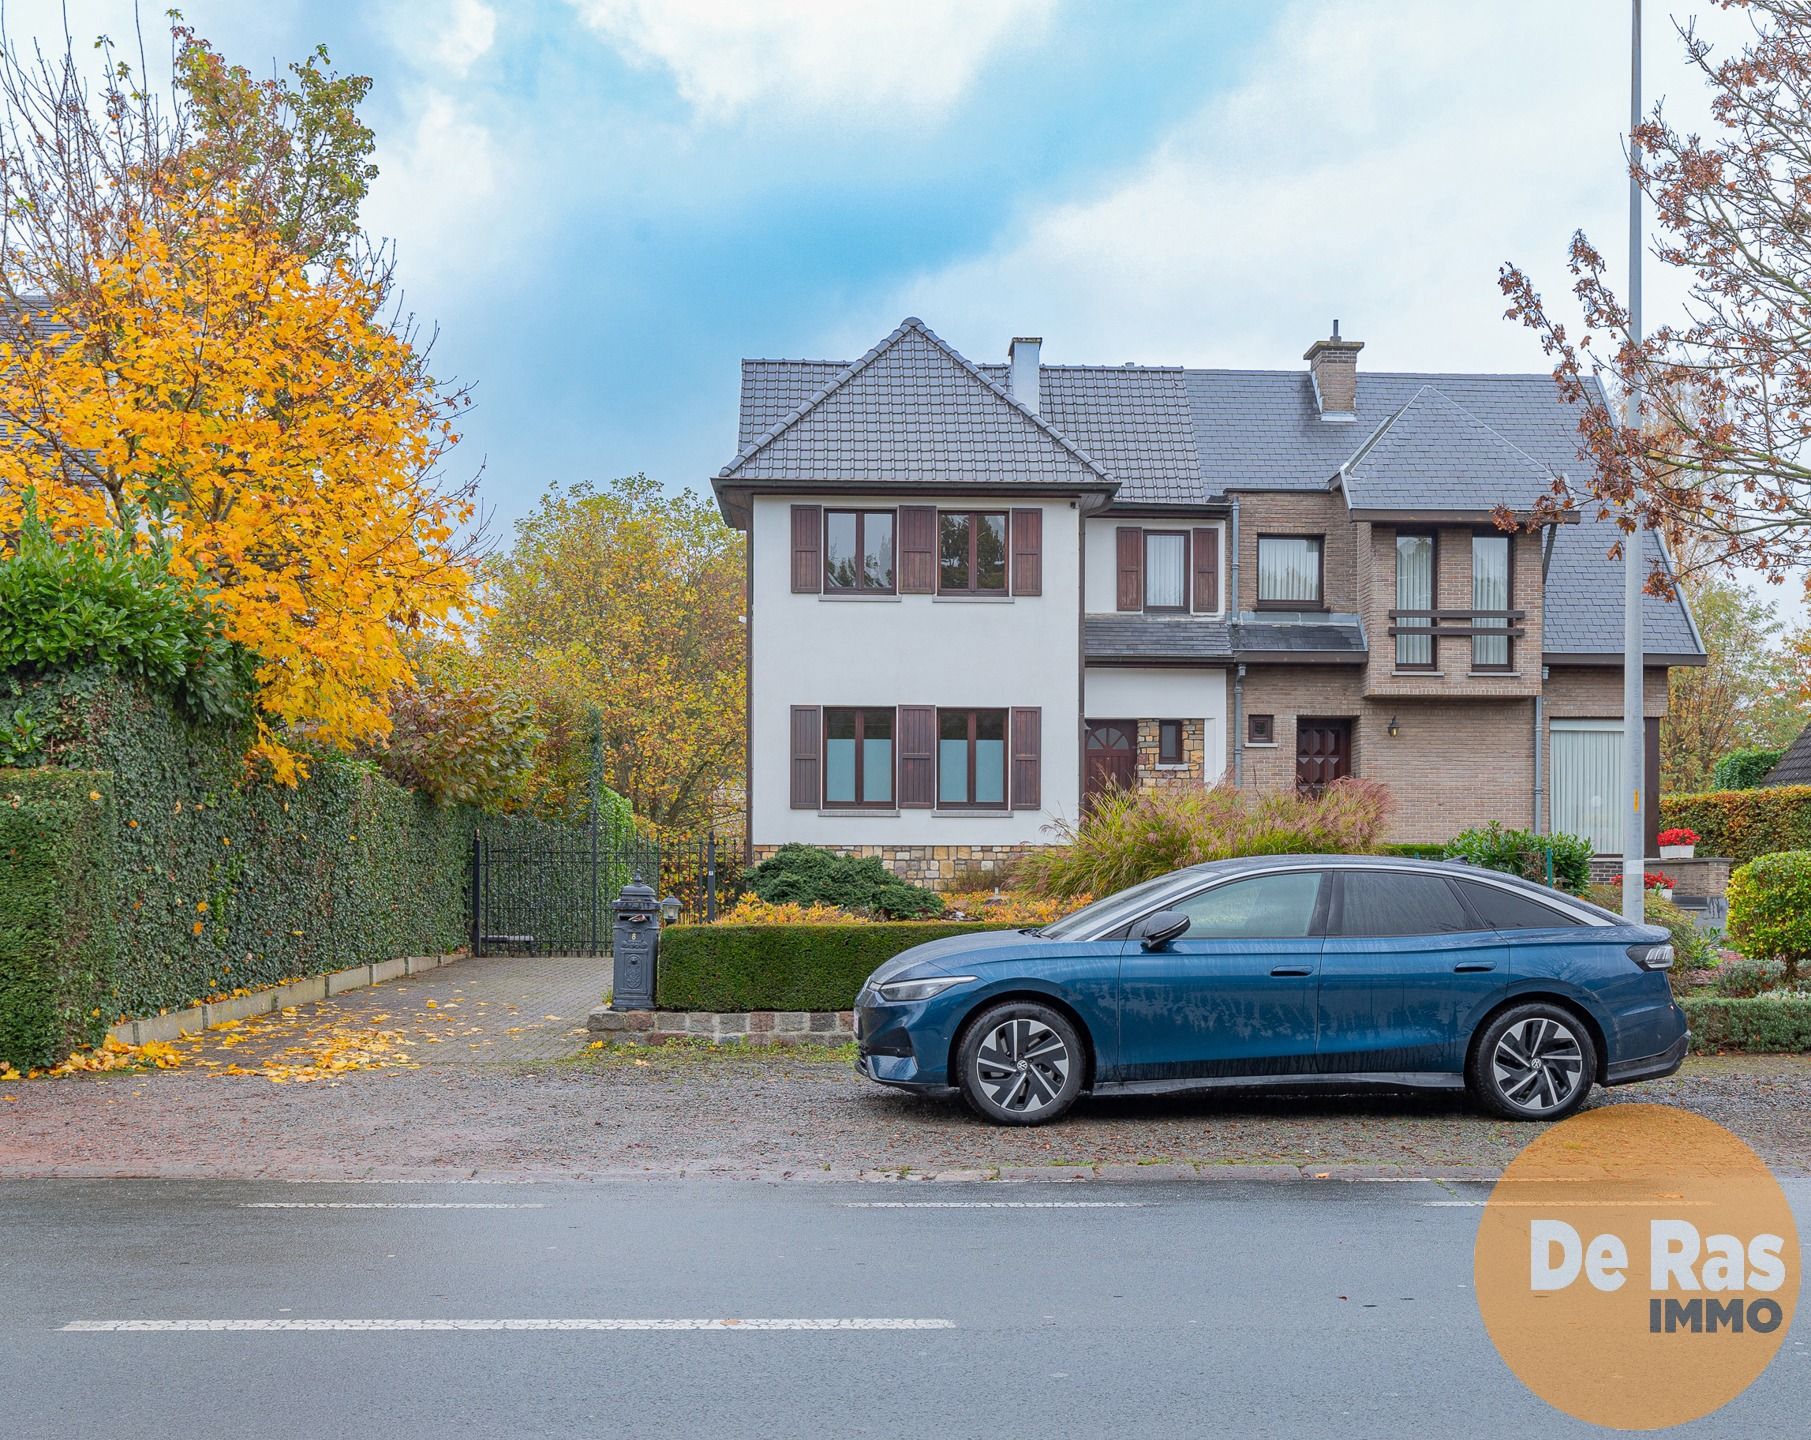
{"x":1653,"y":957}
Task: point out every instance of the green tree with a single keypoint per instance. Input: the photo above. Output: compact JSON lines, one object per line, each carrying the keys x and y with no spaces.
{"x":628,"y":600}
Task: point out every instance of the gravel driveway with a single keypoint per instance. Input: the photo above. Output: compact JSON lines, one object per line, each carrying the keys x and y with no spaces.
{"x":663,"y":1113}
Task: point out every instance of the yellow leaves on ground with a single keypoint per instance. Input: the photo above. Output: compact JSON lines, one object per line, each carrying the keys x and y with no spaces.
{"x":273,"y":427}
{"x":110,"y":1054}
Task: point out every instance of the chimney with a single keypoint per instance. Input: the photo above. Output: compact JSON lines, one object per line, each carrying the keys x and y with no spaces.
{"x":1333,"y":364}
{"x":1022,"y":370}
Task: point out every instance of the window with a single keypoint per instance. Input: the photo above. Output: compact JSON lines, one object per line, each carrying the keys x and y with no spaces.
{"x":1265,"y":907}
{"x":1289,"y":571}
{"x":1385,"y":902}
{"x":858,"y":757}
{"x":858,"y":551}
{"x":1165,"y":570}
{"x":1489,"y":591}
{"x":1587,"y":781}
{"x":1503,"y":909}
{"x":1260,"y":729}
{"x":1169,"y":743}
{"x":1415,"y":590}
{"x":971,"y":553}
{"x":971,"y":758}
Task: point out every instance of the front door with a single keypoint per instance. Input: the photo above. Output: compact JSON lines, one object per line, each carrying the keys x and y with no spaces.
{"x":1235,"y":994}
{"x":1110,"y":756}
{"x":1323,"y":752}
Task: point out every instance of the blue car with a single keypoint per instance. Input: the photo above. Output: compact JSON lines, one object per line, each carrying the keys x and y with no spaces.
{"x":1285,"y":970}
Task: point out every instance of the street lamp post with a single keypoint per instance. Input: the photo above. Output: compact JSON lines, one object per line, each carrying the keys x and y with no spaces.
{"x":1634,"y":727}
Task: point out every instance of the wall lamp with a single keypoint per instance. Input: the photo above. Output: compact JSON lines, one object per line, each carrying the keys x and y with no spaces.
{"x":1394,"y":728}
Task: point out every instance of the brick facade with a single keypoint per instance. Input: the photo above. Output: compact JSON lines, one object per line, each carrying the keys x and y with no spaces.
{"x":937,"y":867}
{"x":1315,"y":513}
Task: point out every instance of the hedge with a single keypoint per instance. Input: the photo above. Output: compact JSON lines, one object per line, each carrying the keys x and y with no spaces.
{"x":1766,"y":1023}
{"x":783,"y":967}
{"x":57,"y":947}
{"x":1743,"y":824}
{"x":219,"y":883}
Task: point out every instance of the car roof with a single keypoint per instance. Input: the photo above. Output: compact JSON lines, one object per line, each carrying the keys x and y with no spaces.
{"x":1211,"y":869}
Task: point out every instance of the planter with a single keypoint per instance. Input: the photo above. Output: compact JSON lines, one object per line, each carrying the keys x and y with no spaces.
{"x":1665,"y":892}
{"x":1677,"y":852}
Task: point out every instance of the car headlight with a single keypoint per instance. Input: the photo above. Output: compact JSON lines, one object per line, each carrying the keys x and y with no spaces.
{"x":922,"y":989}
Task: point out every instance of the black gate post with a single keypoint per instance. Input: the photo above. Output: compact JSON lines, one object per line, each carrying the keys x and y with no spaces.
{"x":477,"y":894}
{"x":710,"y":878}
{"x":597,"y":766}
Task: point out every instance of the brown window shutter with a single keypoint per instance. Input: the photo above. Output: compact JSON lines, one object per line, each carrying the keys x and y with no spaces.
{"x":1206,"y":545}
{"x":807,"y":750}
{"x":1027,"y":758}
{"x":917,"y":756}
{"x":1027,"y":552}
{"x":807,"y":549}
{"x":917,"y":549}
{"x":1131,"y":568}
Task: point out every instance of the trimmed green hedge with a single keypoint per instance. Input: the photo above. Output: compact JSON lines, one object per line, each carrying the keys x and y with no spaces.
{"x":57,"y":947}
{"x":220,"y":883}
{"x":1743,"y":824}
{"x":1755,"y":1026}
{"x":782,"y":967}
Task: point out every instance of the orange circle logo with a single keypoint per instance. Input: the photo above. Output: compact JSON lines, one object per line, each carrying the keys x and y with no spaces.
{"x":1637,"y":1266}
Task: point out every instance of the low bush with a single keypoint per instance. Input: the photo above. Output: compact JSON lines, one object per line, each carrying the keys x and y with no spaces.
{"x":1741,"y":825}
{"x":782,"y":967}
{"x":1744,"y":769}
{"x":1692,"y":949}
{"x":1745,"y":977}
{"x":1413,"y":851}
{"x":1756,"y":1026}
{"x":753,"y":910}
{"x":1131,"y":835}
{"x":806,"y":875}
{"x":1770,"y":908}
{"x":1525,"y":853}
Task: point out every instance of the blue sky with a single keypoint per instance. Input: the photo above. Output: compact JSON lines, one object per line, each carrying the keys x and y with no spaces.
{"x":604,"y":204}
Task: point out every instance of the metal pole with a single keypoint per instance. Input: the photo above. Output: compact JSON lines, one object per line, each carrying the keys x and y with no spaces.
{"x":710,"y":878}
{"x":597,"y":765}
{"x":1634,"y":731}
{"x":477,"y":893}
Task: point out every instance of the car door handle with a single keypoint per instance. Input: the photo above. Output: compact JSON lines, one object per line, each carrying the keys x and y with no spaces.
{"x":1474,"y":967}
{"x":1293,"y":970}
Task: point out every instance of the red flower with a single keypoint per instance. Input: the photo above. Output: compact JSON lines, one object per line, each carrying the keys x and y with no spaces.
{"x":1679,"y":835}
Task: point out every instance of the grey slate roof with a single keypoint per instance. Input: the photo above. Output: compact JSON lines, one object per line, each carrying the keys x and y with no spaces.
{"x":913,"y":411}
{"x":1133,"y":638}
{"x":1433,"y":455}
{"x":1334,"y":639}
{"x":1794,"y":767}
{"x":1189,"y":437}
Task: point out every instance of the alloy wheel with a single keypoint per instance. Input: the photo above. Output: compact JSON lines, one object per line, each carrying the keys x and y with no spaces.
{"x":1022,"y":1065}
{"x":1538,"y":1064}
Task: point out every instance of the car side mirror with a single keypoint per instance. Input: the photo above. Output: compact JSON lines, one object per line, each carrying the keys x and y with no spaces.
{"x":1159,"y":929}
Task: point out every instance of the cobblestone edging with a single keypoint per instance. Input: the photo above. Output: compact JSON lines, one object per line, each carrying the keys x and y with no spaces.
{"x":750,"y":1027}
{"x":165,"y":1028}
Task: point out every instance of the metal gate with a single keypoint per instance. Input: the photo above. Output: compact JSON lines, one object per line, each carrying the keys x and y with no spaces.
{"x":547,"y":890}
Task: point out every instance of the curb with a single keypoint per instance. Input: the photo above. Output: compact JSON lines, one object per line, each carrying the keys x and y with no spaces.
{"x":165,"y":1028}
{"x":723,"y":1027}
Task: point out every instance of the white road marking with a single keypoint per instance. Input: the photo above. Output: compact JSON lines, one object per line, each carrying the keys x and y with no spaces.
{"x":389,"y":1205}
{"x":997,"y":1205}
{"x":140,"y":1327}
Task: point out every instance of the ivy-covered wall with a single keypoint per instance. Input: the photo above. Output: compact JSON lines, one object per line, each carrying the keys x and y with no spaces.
{"x":219,"y":884}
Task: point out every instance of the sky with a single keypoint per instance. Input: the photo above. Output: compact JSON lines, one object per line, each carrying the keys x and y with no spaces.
{"x":603,"y":205}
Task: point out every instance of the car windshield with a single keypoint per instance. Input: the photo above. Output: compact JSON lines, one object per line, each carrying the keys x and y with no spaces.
{"x":1105,"y":914}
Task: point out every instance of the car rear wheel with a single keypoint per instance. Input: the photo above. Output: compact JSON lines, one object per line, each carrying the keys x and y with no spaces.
{"x":1020,"y":1063}
{"x":1535,"y":1061}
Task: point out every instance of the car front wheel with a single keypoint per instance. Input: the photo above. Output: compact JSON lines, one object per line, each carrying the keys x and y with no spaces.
{"x":1020,"y":1063}
{"x":1533,"y":1062}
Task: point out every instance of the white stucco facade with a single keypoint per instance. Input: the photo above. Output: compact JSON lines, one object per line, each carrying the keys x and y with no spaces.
{"x":911,"y":650}
{"x":1125,"y":692}
{"x":1102,"y":597}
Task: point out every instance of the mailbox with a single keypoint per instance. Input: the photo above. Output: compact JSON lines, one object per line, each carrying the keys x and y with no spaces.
{"x":635,"y":947}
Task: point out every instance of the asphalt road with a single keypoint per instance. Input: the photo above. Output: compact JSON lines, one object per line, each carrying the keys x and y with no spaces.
{"x":1044,"y":1310}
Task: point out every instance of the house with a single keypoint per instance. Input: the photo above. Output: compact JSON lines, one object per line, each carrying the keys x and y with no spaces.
{"x":978,"y":593}
{"x":1793,"y":767}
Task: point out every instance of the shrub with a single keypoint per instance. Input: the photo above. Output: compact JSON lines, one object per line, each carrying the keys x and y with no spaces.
{"x":98,"y":598}
{"x":1744,"y":769}
{"x":1414,"y":851}
{"x":806,"y":875}
{"x":57,"y":943}
{"x":1692,"y":949}
{"x":459,"y":735}
{"x":1678,"y":835}
{"x":1743,"y":824}
{"x":1131,"y":835}
{"x":782,"y":967}
{"x":1770,"y":908}
{"x":1756,"y":1026}
{"x":753,"y":910}
{"x":1524,"y":853}
{"x":1012,"y":907}
{"x":1746,"y":977}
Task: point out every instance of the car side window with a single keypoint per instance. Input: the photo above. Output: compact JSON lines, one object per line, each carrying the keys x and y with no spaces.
{"x":1265,"y":907}
{"x":1391,"y":902}
{"x":1503,"y":909}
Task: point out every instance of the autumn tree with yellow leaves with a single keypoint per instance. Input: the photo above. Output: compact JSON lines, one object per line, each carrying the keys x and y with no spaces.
{"x":198,"y":341}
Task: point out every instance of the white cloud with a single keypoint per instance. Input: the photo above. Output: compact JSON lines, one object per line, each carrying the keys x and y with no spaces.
{"x":448,"y":36}
{"x":437,"y":183}
{"x":815,"y":54}
{"x":1377,"y":164}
